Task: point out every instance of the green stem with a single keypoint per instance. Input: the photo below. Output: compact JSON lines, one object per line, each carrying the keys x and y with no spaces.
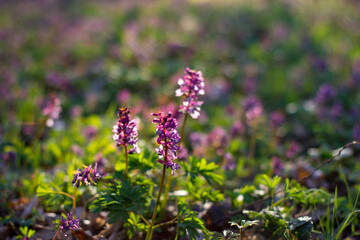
{"x":127,"y":162}
{"x":142,"y":217}
{"x":150,"y":231}
{"x":166,"y":223}
{"x":65,"y":194}
{"x":183,"y":129}
{"x":40,"y":131}
{"x":74,"y":202}
{"x":252,"y":143}
{"x":240,"y":234}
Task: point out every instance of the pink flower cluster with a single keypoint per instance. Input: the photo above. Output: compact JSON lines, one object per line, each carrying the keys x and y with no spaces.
{"x":86,"y":176}
{"x":191,"y":87}
{"x":168,"y":139}
{"x":52,"y":109}
{"x":125,"y":132}
{"x":68,"y":223}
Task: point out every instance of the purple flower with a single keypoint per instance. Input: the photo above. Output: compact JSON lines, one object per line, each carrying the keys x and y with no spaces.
{"x":52,"y":109}
{"x":356,"y":132}
{"x":276,"y":119}
{"x":293,"y":150}
{"x":252,"y":108}
{"x":57,"y":80}
{"x":87,"y":175}
{"x":90,"y":132}
{"x":8,"y":156}
{"x":325,"y":94}
{"x":237,"y":129}
{"x":101,"y":161}
{"x":218,"y":138}
{"x":336,"y":111}
{"x":76,"y":111}
{"x":68,"y":223}
{"x":277,"y":165}
{"x":168,"y":139}
{"x":77,"y":150}
{"x":249,"y":85}
{"x":191,"y":87}
{"x":125,"y":132}
{"x":123,"y":96}
{"x":230,"y":162}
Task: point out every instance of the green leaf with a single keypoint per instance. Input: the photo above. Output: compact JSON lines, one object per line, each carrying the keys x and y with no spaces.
{"x":225,"y":235}
{"x":120,"y":199}
{"x":301,"y":227}
{"x":349,"y":218}
{"x":145,"y":161}
{"x":188,"y":222}
{"x":197,"y":190}
{"x":199,"y":167}
{"x":244,"y":223}
{"x":267,"y":181}
{"x":134,"y":225}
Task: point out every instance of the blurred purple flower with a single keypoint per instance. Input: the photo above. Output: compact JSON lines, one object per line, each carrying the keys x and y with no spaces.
{"x":8,"y":156}
{"x":123,"y":96}
{"x":183,"y":153}
{"x":218,"y":139}
{"x":336,"y":111}
{"x":293,"y":150}
{"x":252,"y":108}
{"x":230,"y":163}
{"x":54,"y":79}
{"x":77,"y":150}
{"x":168,"y":139}
{"x":198,"y":143}
{"x":76,"y":111}
{"x":68,"y":223}
{"x":355,"y":76}
{"x":89,"y":132}
{"x":218,"y":91}
{"x":276,"y":165}
{"x":191,"y":87}
{"x":249,"y":85}
{"x":325,"y":94}
{"x":51,"y":109}
{"x":125,"y":132}
{"x":318,"y":63}
{"x":230,"y":110}
{"x":276,"y":119}
{"x":101,"y":161}
{"x":237,"y":129}
{"x":354,"y":112}
{"x":356,"y":132}
{"x":196,"y":138}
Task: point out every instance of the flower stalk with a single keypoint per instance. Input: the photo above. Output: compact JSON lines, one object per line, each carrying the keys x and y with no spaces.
{"x":168,"y":139}
{"x":125,"y":134}
{"x":150,"y":231}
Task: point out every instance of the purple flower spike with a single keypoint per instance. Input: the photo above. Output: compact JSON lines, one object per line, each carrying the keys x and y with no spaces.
{"x":191,"y":87}
{"x":52,"y":109}
{"x":168,"y":139}
{"x":86,"y":176}
{"x":68,"y":223}
{"x":125,"y":132}
{"x":276,"y":119}
{"x":325,"y":94}
{"x":252,"y":107}
{"x":277,"y":166}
